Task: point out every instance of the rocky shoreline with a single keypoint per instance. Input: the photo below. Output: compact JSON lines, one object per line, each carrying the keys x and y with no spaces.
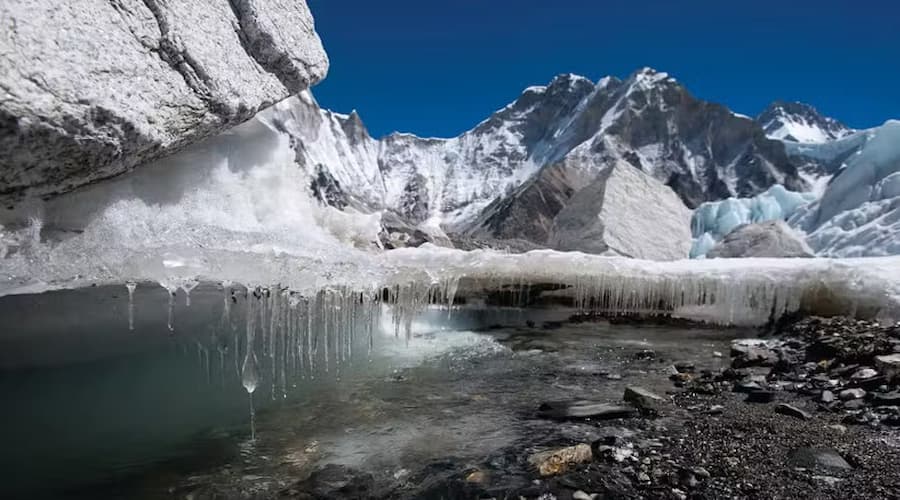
{"x":809,"y":410}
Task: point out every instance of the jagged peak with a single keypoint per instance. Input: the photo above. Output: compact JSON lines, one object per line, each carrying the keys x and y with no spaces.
{"x":648,"y":77}
{"x":569,"y":79}
{"x":800,"y":122}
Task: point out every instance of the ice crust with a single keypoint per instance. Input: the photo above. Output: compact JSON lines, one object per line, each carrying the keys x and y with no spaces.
{"x":237,"y":210}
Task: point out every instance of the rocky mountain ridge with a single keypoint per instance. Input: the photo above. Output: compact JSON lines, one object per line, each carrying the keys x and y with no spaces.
{"x":700,"y":151}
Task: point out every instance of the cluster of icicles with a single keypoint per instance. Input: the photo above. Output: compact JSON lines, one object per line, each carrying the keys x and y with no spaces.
{"x":289,"y":335}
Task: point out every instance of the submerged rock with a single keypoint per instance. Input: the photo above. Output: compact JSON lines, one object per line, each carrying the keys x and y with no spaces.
{"x":643,"y":399}
{"x":582,"y":409}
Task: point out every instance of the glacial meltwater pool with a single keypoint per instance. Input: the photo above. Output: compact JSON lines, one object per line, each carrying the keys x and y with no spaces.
{"x":94,"y":409}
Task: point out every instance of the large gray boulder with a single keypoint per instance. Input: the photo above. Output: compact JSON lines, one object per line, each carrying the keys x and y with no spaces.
{"x":92,"y":88}
{"x":763,"y":239}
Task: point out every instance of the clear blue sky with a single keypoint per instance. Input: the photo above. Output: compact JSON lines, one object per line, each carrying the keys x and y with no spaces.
{"x":436,"y":68}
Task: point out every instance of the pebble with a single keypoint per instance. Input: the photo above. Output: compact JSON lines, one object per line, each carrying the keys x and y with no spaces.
{"x":864,"y":373}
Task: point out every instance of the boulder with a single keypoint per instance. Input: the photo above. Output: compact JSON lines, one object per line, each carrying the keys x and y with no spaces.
{"x":764,"y":239}
{"x":91,"y":89}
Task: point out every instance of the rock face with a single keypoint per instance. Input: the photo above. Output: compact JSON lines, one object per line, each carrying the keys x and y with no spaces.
{"x":798,"y":122}
{"x":577,"y":205}
{"x":764,"y":239}
{"x":92,"y":88}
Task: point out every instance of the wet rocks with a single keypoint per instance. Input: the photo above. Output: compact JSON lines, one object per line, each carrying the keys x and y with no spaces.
{"x":553,"y":462}
{"x":642,"y":399}
{"x":752,"y":352}
{"x":584,"y":409}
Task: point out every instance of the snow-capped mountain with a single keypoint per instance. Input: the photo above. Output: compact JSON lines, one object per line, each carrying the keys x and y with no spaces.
{"x":798,"y":122}
{"x":470,"y":184}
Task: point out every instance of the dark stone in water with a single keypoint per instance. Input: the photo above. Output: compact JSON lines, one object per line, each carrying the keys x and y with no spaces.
{"x":642,"y":398}
{"x":583,"y":409}
{"x":760,"y":396}
{"x":824,"y":459}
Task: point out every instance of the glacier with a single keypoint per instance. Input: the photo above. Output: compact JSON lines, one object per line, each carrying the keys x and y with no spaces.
{"x":859,"y":212}
{"x":711,"y":221}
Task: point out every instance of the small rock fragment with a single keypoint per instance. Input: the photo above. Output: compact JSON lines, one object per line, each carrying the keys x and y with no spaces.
{"x":792,"y":411}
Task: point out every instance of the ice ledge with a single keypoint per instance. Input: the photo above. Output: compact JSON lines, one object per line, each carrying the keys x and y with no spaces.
{"x":723,"y":291}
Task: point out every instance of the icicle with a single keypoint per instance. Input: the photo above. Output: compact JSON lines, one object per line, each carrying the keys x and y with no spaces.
{"x":187,"y":286}
{"x":171,"y":289}
{"x":131,"y":286}
{"x":249,"y":371}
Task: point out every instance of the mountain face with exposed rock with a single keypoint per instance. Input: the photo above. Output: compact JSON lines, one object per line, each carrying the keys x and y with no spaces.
{"x":799,"y":122}
{"x":92,"y":89}
{"x":514,"y":174}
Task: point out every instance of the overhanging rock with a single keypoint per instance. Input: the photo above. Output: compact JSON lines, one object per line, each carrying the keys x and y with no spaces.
{"x":93,"y":88}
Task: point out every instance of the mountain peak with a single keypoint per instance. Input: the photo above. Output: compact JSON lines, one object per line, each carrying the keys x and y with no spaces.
{"x":648,"y":76}
{"x":800,"y":122}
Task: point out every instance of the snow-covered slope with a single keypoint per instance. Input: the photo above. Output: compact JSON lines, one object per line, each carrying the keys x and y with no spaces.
{"x":798,"y":122}
{"x":700,"y":150}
